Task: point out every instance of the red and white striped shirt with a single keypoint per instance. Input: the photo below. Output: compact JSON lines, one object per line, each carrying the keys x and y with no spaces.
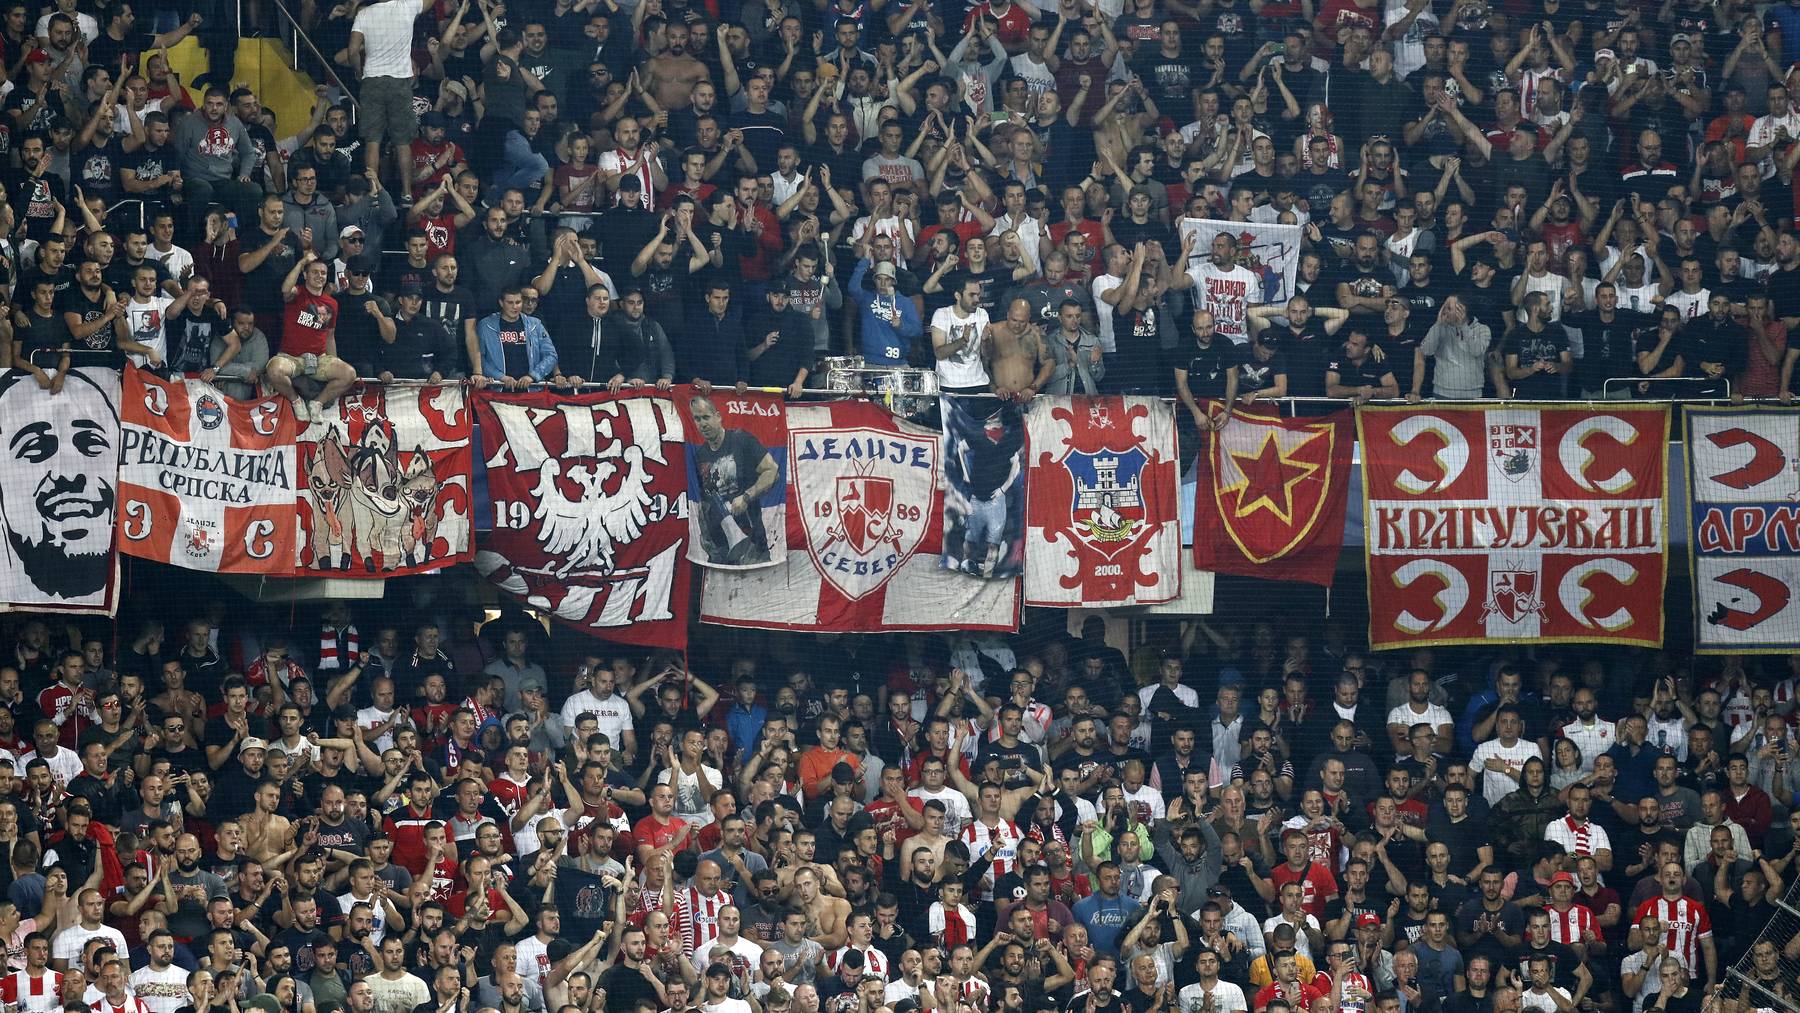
{"x":696,"y":918}
{"x":132,"y":1004}
{"x":1572,"y":926}
{"x":874,"y":961}
{"x":1000,"y":843}
{"x":35,"y":995}
{"x":1685,"y":923}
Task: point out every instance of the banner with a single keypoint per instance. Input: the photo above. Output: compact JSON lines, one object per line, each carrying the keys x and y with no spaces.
{"x":736,"y":477}
{"x":984,"y":486}
{"x":865,"y":500}
{"x":385,"y":482}
{"x":206,"y":482}
{"x":1529,"y":523}
{"x":59,"y":474}
{"x":1743,"y":469}
{"x":590,"y":509}
{"x":1269,"y":250}
{"x":1270,"y":497}
{"x":1103,"y":518}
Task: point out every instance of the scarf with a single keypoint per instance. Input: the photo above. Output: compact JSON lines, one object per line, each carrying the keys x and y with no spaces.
{"x":337,"y":647}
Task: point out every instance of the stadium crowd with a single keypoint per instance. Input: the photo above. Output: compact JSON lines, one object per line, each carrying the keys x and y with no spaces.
{"x":388,"y":818}
{"x":1583,"y":198}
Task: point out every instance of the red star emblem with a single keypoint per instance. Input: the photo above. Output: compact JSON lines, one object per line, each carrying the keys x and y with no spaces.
{"x":1269,"y":479}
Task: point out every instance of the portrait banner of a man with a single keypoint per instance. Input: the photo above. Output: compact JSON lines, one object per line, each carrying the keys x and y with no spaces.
{"x":58,"y":491}
{"x":737,"y":477}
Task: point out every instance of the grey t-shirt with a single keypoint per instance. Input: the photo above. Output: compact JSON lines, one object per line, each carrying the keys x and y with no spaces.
{"x":193,"y":890}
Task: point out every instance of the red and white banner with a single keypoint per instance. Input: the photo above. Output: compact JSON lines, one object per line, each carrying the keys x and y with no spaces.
{"x":385,"y":487}
{"x":1103,"y":522}
{"x":206,"y":482}
{"x":1744,"y":542}
{"x":866,"y":501}
{"x":1530,"y":523}
{"x":590,"y":510}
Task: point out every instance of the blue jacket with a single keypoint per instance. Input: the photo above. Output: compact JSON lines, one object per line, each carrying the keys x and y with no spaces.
{"x":540,"y":351}
{"x":884,"y":342}
{"x":745,"y":725}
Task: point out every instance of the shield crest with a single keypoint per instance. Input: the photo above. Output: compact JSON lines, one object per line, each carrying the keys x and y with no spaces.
{"x":1514,"y":594}
{"x":1515,"y":449}
{"x":865,"y":504}
{"x":1273,"y":477}
{"x":1107,"y":512}
{"x":865,"y":496}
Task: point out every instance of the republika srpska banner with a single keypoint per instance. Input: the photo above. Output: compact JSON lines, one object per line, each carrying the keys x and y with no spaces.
{"x":1528,"y":523}
{"x":866,"y":520}
{"x":590,"y":509}
{"x":59,"y":475}
{"x":1744,"y":497}
{"x":206,"y":482}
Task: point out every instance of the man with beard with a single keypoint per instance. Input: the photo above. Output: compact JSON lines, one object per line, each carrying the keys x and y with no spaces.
{"x":193,"y":888}
{"x":56,"y":498}
{"x":731,"y":499}
{"x":89,"y":309}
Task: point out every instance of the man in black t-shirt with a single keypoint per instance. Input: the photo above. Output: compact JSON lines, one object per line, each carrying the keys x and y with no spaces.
{"x":1210,"y":370}
{"x":1536,"y":353}
{"x":1354,"y":373}
{"x":1606,"y":341}
{"x":1263,"y":373}
{"x":734,"y":472}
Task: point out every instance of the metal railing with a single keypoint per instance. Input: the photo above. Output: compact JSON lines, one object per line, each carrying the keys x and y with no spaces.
{"x":299,"y":36}
{"x":1740,"y":985}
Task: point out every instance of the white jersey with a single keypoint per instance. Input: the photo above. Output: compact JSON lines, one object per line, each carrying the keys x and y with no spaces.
{"x":144,"y":322}
{"x":1691,"y":304}
{"x":965,"y":368}
{"x":33,"y":995}
{"x":1226,"y":997}
{"x":1227,"y":295}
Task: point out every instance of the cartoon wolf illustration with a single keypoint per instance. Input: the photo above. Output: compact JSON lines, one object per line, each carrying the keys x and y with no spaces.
{"x":375,"y":504}
{"x":418,"y":490}
{"x":327,"y":478}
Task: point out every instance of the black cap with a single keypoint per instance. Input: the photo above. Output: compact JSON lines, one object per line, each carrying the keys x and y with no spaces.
{"x":360,"y":264}
{"x":718,"y":971}
{"x":412,"y":290}
{"x":435,"y":119}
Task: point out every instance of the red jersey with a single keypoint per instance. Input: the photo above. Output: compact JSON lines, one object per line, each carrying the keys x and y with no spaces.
{"x":438,"y":158}
{"x":1685,"y":923}
{"x":33,"y":995}
{"x":73,"y":711}
{"x":307,"y":323}
{"x":1274,"y":990}
{"x":1317,"y":885}
{"x":1572,"y":926}
{"x":406,"y":828}
{"x":656,"y":834}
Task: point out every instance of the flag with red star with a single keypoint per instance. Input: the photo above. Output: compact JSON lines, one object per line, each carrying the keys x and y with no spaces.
{"x":1270,"y":497}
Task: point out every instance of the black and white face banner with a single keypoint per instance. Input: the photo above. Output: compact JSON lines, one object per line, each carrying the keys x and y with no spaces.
{"x":59,"y":468}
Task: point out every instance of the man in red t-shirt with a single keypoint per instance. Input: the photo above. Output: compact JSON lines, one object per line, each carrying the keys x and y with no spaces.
{"x":1287,"y":985}
{"x":1317,"y":885}
{"x":309,"y":337}
{"x":434,"y":157}
{"x":662,"y":830}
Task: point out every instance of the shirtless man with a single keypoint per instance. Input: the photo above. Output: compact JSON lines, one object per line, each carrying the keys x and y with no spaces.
{"x":177,"y":698}
{"x":266,"y":834}
{"x":827,"y":912}
{"x":1017,"y":362}
{"x":673,"y":73}
{"x":931,"y":839}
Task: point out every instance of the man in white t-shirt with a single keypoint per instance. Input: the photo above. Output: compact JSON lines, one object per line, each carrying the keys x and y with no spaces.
{"x":611,"y":713}
{"x":1500,"y":759}
{"x":383,"y":715}
{"x":1226,"y":997}
{"x":1223,"y":287}
{"x":957,"y":331}
{"x":381,"y":48}
{"x":1418,"y":709}
{"x":717,"y":997}
{"x":144,"y":317}
{"x":531,"y":956}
